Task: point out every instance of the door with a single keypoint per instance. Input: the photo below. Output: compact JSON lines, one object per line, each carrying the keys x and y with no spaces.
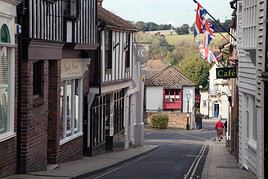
{"x":265,"y":130}
{"x":216,"y":110}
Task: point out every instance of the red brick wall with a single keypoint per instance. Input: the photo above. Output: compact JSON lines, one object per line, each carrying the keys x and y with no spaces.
{"x":72,"y":150}
{"x":8,"y":157}
{"x":54,"y":123}
{"x":34,"y":121}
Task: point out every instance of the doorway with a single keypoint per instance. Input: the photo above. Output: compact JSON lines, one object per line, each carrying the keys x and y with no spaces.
{"x":216,"y":110}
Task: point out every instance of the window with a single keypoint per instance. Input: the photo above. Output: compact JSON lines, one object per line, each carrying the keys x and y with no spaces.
{"x":118,"y":111}
{"x":71,"y":8}
{"x":71,"y":109}
{"x":100,"y":116}
{"x":249,"y":23}
{"x":204,"y":103}
{"x":4,"y":101}
{"x":38,"y":78}
{"x":251,"y":118}
{"x":6,"y":85}
{"x":127,"y":51}
{"x":108,"y":49}
{"x":172,"y":95}
{"x":5,"y":37}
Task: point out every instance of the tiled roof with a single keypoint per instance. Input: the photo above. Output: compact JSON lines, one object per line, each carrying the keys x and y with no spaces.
{"x":159,"y":74}
{"x":113,"y":20}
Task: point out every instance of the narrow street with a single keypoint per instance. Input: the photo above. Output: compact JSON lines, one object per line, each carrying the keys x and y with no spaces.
{"x":180,"y":153}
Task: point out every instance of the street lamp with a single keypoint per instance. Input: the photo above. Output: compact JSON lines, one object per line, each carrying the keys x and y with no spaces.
{"x":188,"y":96}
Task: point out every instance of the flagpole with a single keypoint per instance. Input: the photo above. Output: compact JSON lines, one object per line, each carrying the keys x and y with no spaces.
{"x":218,"y":23}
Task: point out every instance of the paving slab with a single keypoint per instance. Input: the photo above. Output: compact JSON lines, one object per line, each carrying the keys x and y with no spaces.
{"x":220,"y":164}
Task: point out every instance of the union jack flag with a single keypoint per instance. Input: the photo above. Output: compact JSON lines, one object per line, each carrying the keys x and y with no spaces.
{"x":208,"y":33}
{"x":199,"y":20}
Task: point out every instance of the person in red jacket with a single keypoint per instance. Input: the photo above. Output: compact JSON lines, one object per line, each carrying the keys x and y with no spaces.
{"x":219,"y":128}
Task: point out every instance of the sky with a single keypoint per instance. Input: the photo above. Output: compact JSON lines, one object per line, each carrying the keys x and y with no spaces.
{"x":175,"y":12}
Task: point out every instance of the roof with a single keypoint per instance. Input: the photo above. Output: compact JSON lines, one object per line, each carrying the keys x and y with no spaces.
{"x":160,"y":74}
{"x":113,"y":20}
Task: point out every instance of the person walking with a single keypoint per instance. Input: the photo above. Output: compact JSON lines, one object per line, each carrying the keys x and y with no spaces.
{"x":219,"y":129}
{"x":198,"y":120}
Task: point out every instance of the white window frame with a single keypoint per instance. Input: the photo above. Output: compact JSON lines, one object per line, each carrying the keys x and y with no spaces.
{"x":249,"y":24}
{"x":11,"y":89}
{"x":74,"y":132}
{"x":250,"y":116}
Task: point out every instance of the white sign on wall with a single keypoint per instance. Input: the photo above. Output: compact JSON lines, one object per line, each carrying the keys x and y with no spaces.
{"x":73,"y":67}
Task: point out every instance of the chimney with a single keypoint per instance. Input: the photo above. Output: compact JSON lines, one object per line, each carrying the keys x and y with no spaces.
{"x":100,"y":3}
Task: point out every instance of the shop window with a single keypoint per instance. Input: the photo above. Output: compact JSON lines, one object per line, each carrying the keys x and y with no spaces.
{"x":6,"y":85}
{"x":70,"y":109}
{"x":38,"y":75}
{"x":118,"y":111}
{"x":4,"y":102}
{"x":108,"y":49}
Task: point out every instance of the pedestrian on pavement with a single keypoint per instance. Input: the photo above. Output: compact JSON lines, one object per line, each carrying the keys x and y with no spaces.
{"x":219,"y":128}
{"x":198,"y":120}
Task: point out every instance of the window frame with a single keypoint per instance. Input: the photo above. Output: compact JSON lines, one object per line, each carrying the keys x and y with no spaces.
{"x":108,"y":49}
{"x":74,"y":132}
{"x":127,"y":50}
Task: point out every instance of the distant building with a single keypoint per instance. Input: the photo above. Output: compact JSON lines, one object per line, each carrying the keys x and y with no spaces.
{"x":164,"y":86}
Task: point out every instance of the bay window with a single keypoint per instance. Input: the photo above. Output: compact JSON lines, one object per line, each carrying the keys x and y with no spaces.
{"x":71,"y":109}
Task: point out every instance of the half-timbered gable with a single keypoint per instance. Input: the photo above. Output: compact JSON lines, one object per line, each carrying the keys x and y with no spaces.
{"x":116,"y":47}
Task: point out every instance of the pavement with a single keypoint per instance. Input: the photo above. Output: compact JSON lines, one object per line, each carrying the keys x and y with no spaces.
{"x":88,"y":165}
{"x":220,"y":164}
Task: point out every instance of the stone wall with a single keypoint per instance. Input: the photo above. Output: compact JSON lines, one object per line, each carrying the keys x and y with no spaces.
{"x":176,"y":119}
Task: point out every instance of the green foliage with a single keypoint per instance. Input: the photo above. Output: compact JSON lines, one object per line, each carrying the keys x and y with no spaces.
{"x":196,"y":70}
{"x":160,"y":121}
{"x":184,"y":29}
{"x":158,"y":44}
{"x":151,"y":26}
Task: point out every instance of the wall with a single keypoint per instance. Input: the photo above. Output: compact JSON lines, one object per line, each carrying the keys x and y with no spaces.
{"x":176,"y":119}
{"x":204,"y":109}
{"x":154,"y":98}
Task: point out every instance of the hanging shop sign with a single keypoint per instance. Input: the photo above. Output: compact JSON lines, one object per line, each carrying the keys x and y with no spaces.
{"x":226,"y":73}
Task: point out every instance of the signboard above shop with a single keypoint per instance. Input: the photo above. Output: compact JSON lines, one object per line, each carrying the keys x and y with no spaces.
{"x":226,"y":73}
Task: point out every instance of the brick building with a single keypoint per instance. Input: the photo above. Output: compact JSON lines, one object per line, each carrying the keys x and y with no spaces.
{"x":8,"y":87}
{"x":57,"y":44}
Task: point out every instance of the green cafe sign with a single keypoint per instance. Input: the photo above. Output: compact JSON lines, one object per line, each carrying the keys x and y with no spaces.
{"x":226,"y":73}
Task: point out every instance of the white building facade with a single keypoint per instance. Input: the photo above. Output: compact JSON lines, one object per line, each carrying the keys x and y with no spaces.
{"x":251,"y":51}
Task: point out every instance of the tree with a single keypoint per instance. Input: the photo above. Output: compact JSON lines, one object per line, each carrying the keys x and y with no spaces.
{"x":184,"y":29}
{"x":196,"y":70}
